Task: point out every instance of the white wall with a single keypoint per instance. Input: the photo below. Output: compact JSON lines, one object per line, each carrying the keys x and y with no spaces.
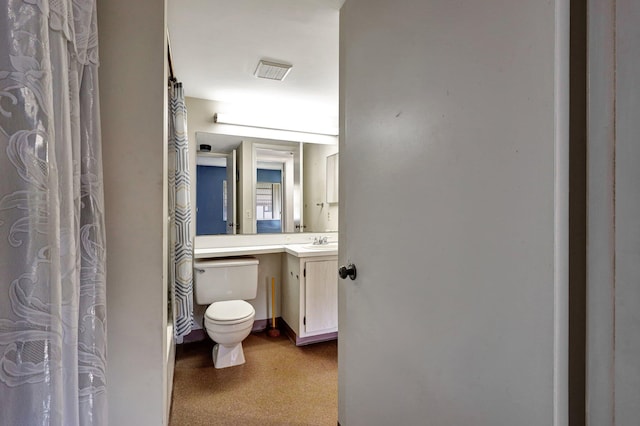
{"x":199,"y":119}
{"x":613,"y":299}
{"x":600,"y":226}
{"x":627,"y":220}
{"x":318,"y":218}
{"x":133,"y":82}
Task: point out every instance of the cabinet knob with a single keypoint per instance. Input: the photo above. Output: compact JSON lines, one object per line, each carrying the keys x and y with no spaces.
{"x":347,"y":271}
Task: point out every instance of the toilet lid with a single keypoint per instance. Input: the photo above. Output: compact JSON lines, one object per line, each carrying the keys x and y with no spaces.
{"x":230,"y":310}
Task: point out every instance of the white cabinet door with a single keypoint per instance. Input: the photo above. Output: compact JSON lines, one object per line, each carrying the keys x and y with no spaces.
{"x":321,"y":296}
{"x":290,"y":293}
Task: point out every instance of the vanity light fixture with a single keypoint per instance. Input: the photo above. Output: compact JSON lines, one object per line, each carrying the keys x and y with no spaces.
{"x":272,"y":70}
{"x":275,"y":123}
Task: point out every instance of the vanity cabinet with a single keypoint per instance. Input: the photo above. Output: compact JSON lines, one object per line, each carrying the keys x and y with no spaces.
{"x":310,"y":298}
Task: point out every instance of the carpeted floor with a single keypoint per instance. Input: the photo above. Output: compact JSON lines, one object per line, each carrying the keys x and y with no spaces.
{"x":280,"y":384}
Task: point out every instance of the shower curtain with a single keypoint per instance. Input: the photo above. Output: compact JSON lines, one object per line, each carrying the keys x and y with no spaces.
{"x":181,"y":249}
{"x":52,"y":238}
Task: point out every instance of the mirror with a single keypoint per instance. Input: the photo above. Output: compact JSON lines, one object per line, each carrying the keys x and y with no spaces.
{"x":279,"y":186}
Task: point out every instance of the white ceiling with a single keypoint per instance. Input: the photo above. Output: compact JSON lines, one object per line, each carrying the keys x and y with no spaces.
{"x":216,"y":46}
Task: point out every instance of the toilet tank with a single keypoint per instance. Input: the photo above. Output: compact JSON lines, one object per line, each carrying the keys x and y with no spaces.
{"x":225,"y":279}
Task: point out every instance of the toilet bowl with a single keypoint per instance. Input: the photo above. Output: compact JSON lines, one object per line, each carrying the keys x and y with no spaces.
{"x":225,"y":284}
{"x":228,"y":323}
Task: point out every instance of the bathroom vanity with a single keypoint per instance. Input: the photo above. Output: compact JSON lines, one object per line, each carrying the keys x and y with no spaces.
{"x":310,"y":294}
{"x":306,"y":279}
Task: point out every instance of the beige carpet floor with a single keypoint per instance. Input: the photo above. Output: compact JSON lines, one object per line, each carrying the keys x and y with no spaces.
{"x":280,"y":384}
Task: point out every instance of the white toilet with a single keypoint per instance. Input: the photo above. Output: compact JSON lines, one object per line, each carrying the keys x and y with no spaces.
{"x":225,"y":284}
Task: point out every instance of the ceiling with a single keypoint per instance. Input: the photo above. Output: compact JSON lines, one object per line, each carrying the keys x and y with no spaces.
{"x":216,"y":46}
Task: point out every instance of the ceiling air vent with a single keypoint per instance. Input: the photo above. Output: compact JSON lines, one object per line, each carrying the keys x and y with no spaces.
{"x":272,"y":70}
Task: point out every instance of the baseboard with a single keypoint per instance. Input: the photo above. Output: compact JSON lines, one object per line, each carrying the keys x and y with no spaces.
{"x":265,"y":324}
{"x":260,"y":325}
{"x":301,"y":341}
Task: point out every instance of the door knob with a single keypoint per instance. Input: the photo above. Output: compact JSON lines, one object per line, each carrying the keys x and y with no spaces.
{"x":347,"y":271}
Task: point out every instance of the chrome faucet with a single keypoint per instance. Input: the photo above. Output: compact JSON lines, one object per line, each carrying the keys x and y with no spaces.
{"x":317,"y":241}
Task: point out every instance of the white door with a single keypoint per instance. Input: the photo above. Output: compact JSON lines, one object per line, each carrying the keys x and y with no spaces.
{"x":232,"y":172}
{"x":453,"y":210}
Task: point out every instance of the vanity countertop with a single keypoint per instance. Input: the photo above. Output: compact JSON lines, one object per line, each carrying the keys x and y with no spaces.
{"x":298,"y":250}
{"x":201,"y":253}
{"x":310,"y":250}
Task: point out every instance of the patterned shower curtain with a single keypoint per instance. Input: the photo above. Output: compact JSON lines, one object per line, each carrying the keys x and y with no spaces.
{"x":181,"y":251}
{"x":52,"y":238}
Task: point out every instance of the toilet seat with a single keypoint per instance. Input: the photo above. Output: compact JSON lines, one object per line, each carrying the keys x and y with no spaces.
{"x":229,"y":312}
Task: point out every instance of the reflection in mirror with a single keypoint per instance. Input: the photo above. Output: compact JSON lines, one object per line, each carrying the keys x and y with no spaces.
{"x":332,"y":178}
{"x":215,"y":212}
{"x":269,"y":201}
{"x":319,"y":215}
{"x":267,"y":194}
{"x":274,"y":188}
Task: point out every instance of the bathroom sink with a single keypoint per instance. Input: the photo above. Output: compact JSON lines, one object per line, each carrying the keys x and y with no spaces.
{"x":322,"y":247}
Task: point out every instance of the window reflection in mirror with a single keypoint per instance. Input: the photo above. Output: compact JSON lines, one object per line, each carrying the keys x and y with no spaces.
{"x":274,"y":189}
{"x":269,"y":201}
